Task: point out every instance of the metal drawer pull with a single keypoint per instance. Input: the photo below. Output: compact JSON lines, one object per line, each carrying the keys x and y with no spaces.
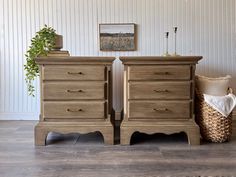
{"x":162,"y":73}
{"x":80,"y":73}
{"x":74,"y":110}
{"x":74,"y":91}
{"x":161,"y":109}
{"x":161,"y":90}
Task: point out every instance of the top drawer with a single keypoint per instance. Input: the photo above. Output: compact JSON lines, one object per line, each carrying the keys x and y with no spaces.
{"x":157,"y":72}
{"x":80,"y":72}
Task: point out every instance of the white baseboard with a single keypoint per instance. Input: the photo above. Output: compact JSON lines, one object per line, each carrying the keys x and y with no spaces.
{"x":33,"y":116}
{"x":118,"y":115}
{"x":19,"y":116}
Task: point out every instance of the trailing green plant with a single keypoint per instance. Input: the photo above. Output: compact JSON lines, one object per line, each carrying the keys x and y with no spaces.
{"x":41,"y":44}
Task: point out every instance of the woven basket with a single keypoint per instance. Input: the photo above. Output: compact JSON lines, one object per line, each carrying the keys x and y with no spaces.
{"x":214,"y":127}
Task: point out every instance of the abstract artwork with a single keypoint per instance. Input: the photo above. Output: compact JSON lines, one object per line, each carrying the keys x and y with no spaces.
{"x":117,"y":37}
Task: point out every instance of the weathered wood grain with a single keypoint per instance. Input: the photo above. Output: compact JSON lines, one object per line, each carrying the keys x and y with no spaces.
{"x":76,"y":97}
{"x":161,"y":89}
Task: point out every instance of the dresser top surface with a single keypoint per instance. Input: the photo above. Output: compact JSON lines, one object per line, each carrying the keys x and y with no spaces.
{"x":135,"y":59}
{"x":73,"y":59}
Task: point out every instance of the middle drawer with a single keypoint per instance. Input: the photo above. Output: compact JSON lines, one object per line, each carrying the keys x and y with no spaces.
{"x":159,"y":90}
{"x":73,"y":90}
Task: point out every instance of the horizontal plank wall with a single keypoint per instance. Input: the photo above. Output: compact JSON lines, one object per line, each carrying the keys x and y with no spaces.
{"x":206,"y":27}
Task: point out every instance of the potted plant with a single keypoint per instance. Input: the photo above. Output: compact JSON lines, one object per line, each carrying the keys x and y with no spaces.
{"x":43,"y":42}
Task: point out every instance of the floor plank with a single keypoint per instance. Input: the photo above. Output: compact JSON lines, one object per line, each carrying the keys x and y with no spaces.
{"x":87,"y":156}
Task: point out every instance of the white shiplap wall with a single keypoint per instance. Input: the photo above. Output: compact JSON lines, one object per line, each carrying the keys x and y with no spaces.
{"x":206,"y":27}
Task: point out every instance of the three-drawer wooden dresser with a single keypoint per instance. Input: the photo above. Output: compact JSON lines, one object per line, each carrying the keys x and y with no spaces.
{"x":76,"y":96}
{"x":159,"y":96}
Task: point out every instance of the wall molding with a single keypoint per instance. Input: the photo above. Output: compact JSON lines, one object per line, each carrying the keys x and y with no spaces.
{"x":118,"y":115}
{"x":19,"y":116}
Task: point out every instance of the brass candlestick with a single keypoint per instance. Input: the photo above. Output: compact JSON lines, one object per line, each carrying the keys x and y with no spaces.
{"x":166,"y":37}
{"x":175,"y":32}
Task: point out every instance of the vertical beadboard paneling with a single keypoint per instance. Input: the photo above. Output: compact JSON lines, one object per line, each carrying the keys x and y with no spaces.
{"x":2,"y":56}
{"x":206,"y":27}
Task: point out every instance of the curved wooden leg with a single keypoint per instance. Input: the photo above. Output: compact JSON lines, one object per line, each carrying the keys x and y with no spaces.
{"x":40,"y":136}
{"x":108,"y":136}
{"x":193,"y":138}
{"x":125,"y":136}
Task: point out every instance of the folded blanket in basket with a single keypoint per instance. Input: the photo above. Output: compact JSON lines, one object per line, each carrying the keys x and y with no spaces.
{"x":223,"y":104}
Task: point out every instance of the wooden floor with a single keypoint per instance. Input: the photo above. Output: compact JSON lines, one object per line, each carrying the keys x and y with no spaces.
{"x":86,"y":155}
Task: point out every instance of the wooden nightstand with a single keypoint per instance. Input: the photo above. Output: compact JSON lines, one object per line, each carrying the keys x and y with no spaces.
{"x":76,"y":96}
{"x":159,"y":96}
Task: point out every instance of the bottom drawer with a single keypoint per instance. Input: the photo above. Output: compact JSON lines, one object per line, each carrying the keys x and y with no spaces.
{"x":159,"y":109}
{"x":74,"y":110}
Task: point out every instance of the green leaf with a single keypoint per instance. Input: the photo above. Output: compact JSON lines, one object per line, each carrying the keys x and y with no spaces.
{"x":41,"y":43}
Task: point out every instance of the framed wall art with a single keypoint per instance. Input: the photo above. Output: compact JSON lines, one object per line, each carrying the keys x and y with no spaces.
{"x":117,"y":37}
